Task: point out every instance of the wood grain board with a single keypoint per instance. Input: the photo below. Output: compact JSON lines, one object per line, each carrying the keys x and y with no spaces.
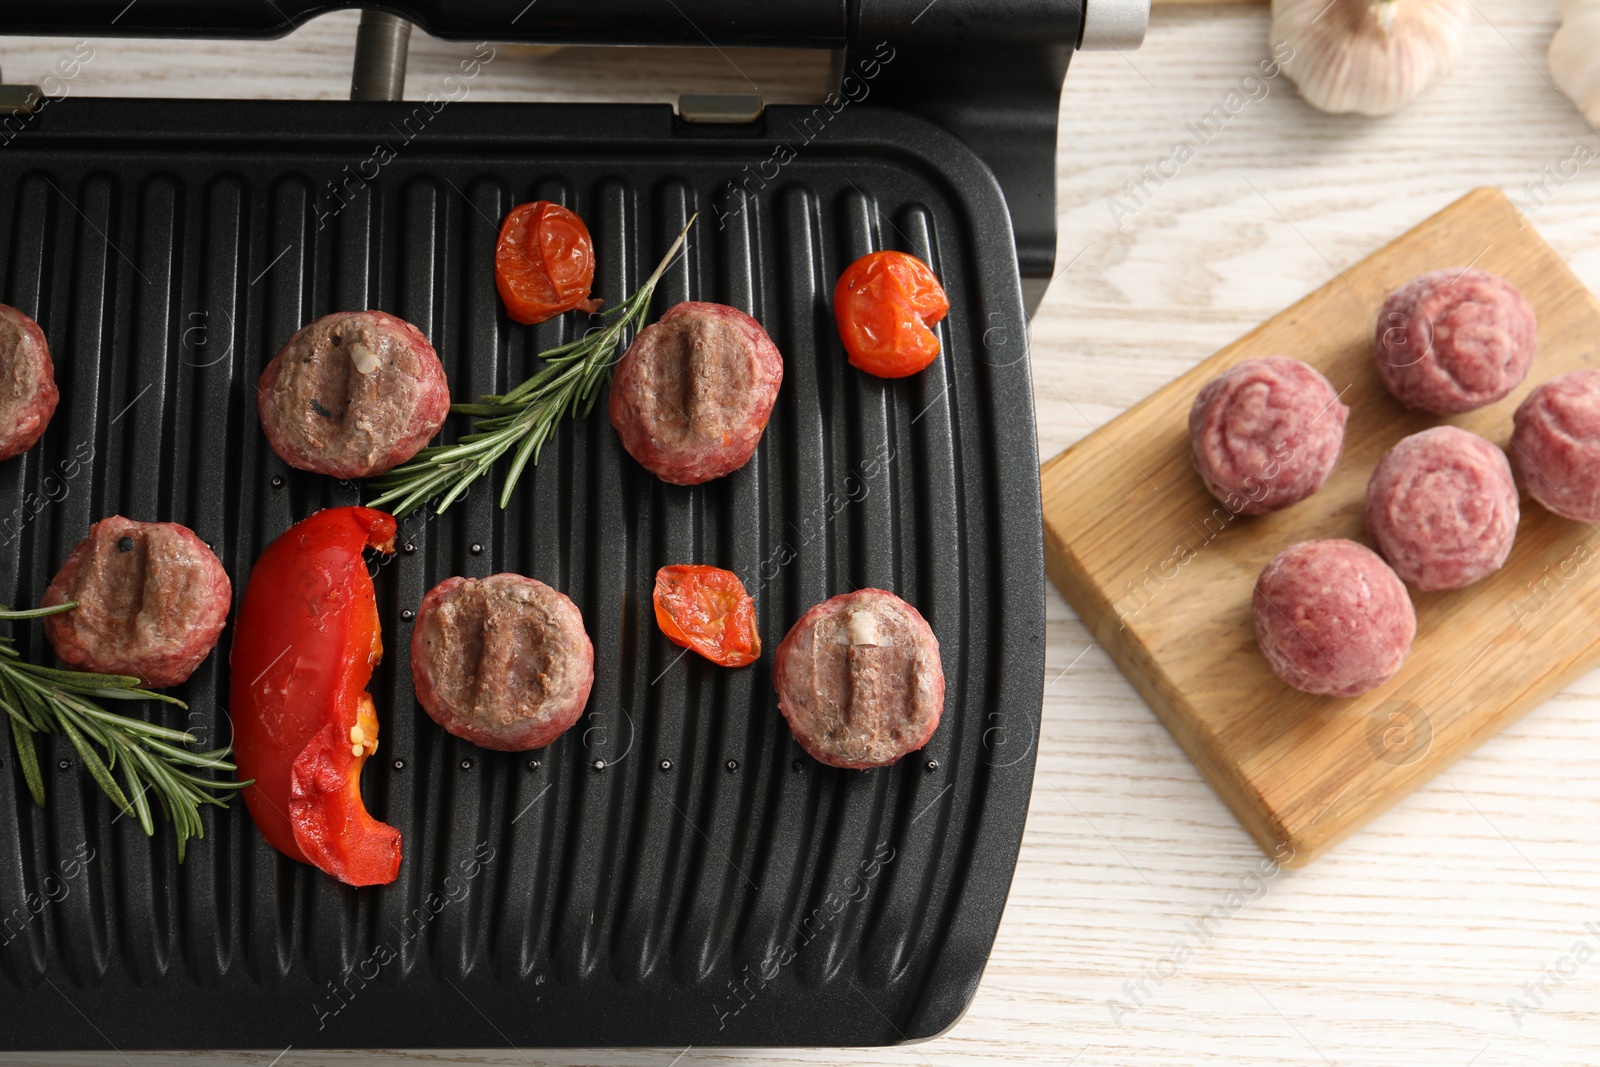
{"x":1162,"y":574}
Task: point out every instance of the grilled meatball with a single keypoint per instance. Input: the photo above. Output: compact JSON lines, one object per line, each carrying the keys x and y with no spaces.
{"x":502,"y":661}
{"x":28,"y":393}
{"x":353,"y":394}
{"x":1455,"y":340}
{"x":1555,"y":445}
{"x":693,"y":392}
{"x":859,"y":680}
{"x":1442,"y":508}
{"x":152,"y":600}
{"x":1266,"y":433}
{"x":1332,"y":619}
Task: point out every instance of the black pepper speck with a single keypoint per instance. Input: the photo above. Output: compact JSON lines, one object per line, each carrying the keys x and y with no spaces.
{"x":125,"y":544}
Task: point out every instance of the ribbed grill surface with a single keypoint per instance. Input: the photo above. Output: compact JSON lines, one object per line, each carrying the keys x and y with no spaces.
{"x":743,"y":895}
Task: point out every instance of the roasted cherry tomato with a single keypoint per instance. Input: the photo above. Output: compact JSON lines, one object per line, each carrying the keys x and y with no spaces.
{"x":707,"y":609}
{"x":544,"y":263}
{"x":886,"y":304}
{"x":304,"y":646}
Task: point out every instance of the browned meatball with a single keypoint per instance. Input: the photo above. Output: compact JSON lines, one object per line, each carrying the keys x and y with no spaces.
{"x":152,"y":600}
{"x":28,"y":392}
{"x":502,"y":661}
{"x":693,"y":392}
{"x":353,"y":394}
{"x":859,"y":680}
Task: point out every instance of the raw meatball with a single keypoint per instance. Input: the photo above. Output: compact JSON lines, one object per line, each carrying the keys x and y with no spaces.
{"x":152,"y":600}
{"x":859,"y":680}
{"x":1332,"y":618}
{"x":28,"y":392}
{"x":353,"y":394}
{"x":1555,"y":445}
{"x":1443,"y":508}
{"x":1266,"y":434}
{"x":502,"y":661}
{"x":1455,"y":340}
{"x":694,"y":391}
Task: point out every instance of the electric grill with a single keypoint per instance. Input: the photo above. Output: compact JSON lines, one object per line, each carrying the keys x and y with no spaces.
{"x":674,"y":870}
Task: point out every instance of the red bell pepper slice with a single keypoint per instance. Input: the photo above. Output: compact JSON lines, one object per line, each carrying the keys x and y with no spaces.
{"x":305,"y":642}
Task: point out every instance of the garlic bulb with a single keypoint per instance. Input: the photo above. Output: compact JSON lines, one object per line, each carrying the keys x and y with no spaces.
{"x":1575,"y":55}
{"x":1369,"y":56}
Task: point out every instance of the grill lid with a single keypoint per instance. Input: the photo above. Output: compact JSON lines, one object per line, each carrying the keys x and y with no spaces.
{"x":989,"y":71}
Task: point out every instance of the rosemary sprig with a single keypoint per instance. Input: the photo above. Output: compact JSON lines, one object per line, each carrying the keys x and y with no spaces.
{"x":524,"y":418}
{"x":46,"y":700}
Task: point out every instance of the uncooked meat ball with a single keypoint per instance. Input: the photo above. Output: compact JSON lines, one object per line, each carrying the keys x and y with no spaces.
{"x":1266,"y":434}
{"x":1442,"y":507}
{"x":1332,"y":619}
{"x":1555,"y":445}
{"x":1455,"y":340}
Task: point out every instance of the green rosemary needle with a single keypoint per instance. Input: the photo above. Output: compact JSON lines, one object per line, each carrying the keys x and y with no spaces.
{"x":46,"y":700}
{"x":524,"y":418}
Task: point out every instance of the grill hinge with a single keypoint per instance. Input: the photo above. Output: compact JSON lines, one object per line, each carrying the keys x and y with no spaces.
{"x":17,"y":102}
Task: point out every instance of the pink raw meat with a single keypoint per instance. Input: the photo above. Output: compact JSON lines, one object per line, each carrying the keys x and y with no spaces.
{"x":1455,"y":340}
{"x":1442,"y":507}
{"x":1332,"y":619}
{"x":1266,"y":433}
{"x":1555,"y":445}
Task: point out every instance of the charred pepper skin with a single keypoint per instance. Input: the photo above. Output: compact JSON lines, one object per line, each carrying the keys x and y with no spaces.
{"x":305,"y":643}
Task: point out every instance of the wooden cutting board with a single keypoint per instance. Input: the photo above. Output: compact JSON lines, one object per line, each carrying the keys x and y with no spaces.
{"x":1163,"y":575}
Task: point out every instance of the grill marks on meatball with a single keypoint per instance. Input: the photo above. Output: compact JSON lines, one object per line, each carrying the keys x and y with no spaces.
{"x":859,"y":680}
{"x":136,"y":586}
{"x":28,"y":394}
{"x":353,"y":394}
{"x":502,"y":661}
{"x":691,"y":397}
{"x":152,"y":600}
{"x":699,"y":365}
{"x":879,"y":688}
{"x":502,"y":636}
{"x":333,"y":388}
{"x":19,"y":375}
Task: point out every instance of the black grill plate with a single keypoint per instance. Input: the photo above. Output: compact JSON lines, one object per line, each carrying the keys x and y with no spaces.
{"x":746,"y":896}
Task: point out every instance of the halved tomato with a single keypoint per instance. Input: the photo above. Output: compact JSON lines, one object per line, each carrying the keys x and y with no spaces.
{"x":706,"y":609}
{"x":886,"y":304}
{"x":544,"y":262}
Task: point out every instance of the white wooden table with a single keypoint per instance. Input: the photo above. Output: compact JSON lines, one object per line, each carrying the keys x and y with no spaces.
{"x":1408,"y":943}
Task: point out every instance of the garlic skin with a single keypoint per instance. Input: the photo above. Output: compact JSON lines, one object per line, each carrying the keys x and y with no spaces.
{"x":1575,"y":55}
{"x":1367,"y":56}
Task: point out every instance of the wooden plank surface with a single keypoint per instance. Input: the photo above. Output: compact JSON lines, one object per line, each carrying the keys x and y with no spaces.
{"x":1163,"y":574}
{"x":1403,"y":945}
